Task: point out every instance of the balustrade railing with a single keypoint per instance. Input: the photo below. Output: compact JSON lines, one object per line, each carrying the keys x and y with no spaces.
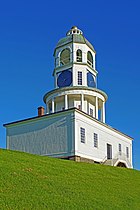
{"x":118,"y":157}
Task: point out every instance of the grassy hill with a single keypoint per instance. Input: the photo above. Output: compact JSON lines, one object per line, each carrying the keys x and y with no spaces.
{"x":38,"y":183}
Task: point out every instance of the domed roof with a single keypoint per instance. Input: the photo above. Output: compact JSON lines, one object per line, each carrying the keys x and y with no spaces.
{"x":74,"y":35}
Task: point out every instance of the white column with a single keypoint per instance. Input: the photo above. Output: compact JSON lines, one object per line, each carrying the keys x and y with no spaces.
{"x":103,"y":112}
{"x":53,"y":105}
{"x":82,"y":102}
{"x":66,"y":101}
{"x":96,"y":107}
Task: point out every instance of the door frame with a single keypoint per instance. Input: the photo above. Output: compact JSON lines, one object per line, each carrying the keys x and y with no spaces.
{"x":109,"y":151}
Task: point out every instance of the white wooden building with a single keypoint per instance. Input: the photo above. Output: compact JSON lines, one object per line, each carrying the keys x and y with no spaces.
{"x":73,"y":125}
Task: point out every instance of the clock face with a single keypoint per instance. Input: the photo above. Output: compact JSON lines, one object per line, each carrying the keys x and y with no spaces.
{"x":64,"y":79}
{"x":90,"y":80}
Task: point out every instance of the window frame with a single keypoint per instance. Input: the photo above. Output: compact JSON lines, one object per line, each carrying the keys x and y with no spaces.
{"x":61,"y":60}
{"x":127,"y":152}
{"x":79,"y":57}
{"x":120,"y":149}
{"x":79,"y":107}
{"x":90,"y":59}
{"x":82,"y":135}
{"x":95,"y":136}
{"x":79,"y":80}
{"x":91,"y":112}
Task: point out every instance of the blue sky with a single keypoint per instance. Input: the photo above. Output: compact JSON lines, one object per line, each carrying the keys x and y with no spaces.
{"x":29,"y":32}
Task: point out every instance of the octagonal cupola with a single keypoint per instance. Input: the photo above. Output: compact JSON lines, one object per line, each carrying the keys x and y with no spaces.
{"x":74,"y":61}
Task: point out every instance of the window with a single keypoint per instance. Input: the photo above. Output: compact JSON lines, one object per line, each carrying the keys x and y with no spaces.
{"x":79,"y":56}
{"x":90,"y":59}
{"x":120,"y":149}
{"x":65,"y":57}
{"x":95,"y":140}
{"x":79,"y":107}
{"x":79,"y":77}
{"x":91,"y":112}
{"x":82,"y":133}
{"x":127,"y":152}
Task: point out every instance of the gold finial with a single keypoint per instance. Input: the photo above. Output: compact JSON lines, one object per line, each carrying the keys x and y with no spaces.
{"x":74,"y":27}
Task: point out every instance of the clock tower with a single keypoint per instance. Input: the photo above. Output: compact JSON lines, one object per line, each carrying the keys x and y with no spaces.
{"x":75,"y":77}
{"x":74,"y":61}
{"x":73,"y":126}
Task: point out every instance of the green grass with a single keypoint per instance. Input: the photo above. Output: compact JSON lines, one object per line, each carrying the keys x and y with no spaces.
{"x":38,"y":183}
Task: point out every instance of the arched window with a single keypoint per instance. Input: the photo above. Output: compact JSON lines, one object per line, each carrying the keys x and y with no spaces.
{"x":79,"y":56}
{"x":90,"y":59}
{"x":65,"y":57}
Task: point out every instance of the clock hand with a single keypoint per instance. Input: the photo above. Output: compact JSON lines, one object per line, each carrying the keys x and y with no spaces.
{"x":63,"y":81}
